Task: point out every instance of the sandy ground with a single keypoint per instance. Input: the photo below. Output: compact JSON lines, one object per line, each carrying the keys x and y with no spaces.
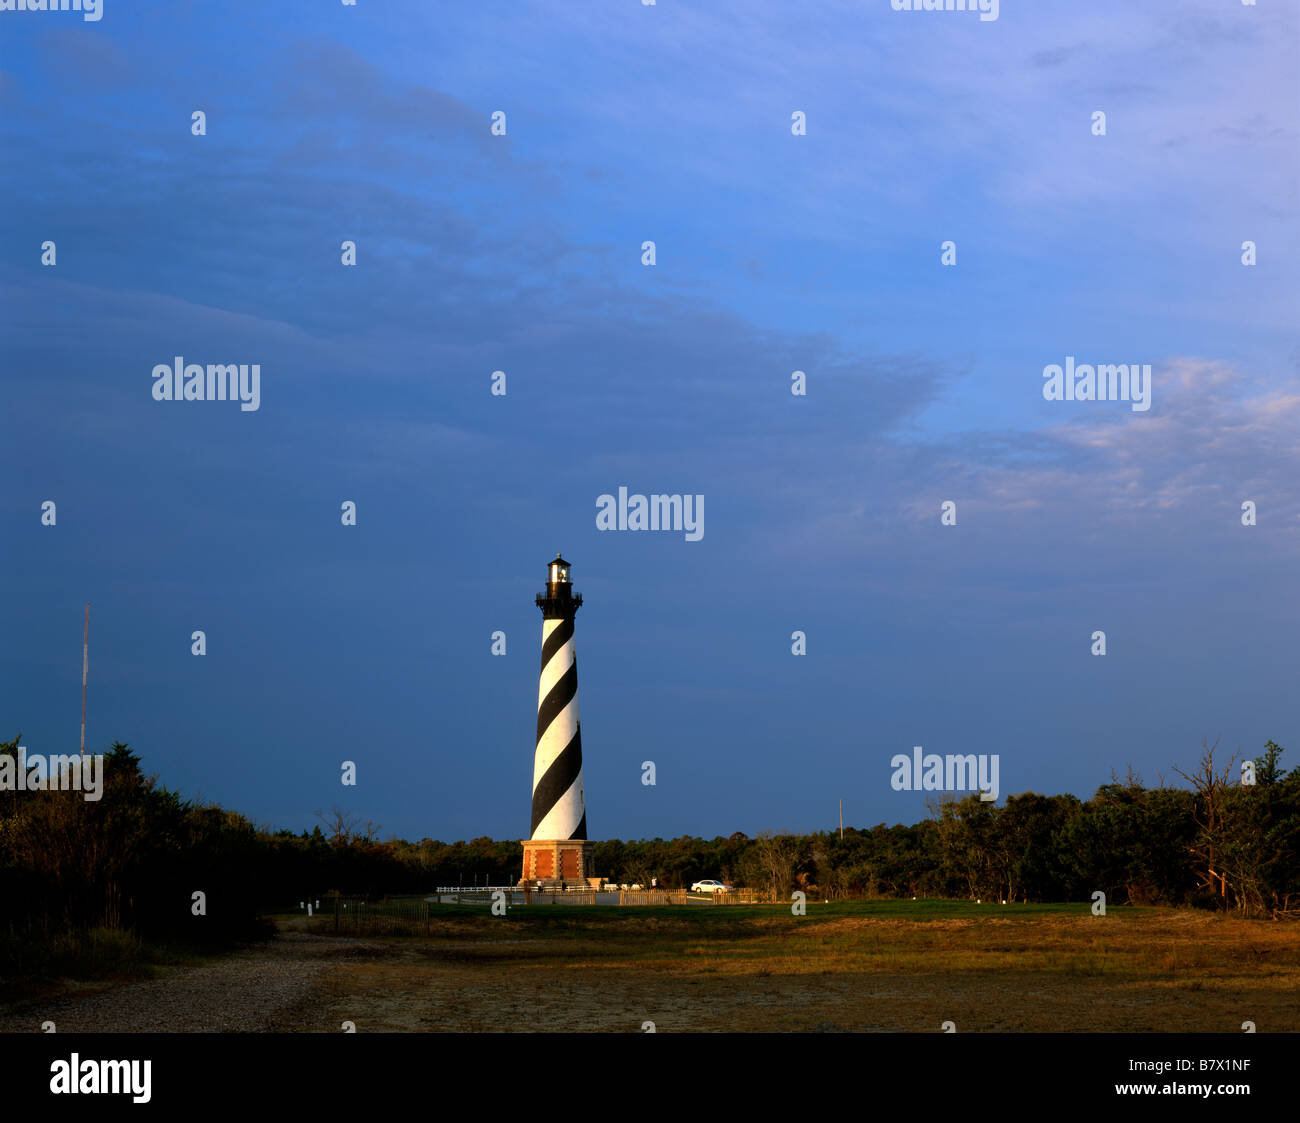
{"x":304,"y":982}
{"x":253,"y":991}
{"x":403,"y":994}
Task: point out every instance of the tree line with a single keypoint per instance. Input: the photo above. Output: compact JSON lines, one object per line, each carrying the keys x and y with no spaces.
{"x":133,"y":859}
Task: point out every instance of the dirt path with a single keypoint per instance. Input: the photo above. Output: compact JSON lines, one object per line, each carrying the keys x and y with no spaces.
{"x":267,"y":987}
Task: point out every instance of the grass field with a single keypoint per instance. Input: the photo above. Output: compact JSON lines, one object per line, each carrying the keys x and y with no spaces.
{"x":859,"y":966}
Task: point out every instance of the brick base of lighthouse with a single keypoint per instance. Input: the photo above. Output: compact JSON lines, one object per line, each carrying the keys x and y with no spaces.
{"x":553,"y":862}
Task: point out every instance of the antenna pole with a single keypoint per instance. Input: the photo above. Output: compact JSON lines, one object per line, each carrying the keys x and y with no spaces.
{"x":85,"y":664}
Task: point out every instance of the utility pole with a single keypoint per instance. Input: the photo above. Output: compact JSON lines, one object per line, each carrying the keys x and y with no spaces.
{"x":841,"y":820}
{"x":85,"y":663}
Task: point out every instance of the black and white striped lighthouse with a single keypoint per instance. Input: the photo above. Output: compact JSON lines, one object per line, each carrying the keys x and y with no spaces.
{"x":557,"y":849}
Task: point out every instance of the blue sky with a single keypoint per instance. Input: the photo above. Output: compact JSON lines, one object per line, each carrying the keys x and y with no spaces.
{"x":522,"y":253}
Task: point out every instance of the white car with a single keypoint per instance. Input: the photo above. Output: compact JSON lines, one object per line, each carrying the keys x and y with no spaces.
{"x":710,"y":887}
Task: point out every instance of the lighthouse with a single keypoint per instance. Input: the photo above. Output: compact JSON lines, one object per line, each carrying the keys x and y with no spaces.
{"x":557,"y":851}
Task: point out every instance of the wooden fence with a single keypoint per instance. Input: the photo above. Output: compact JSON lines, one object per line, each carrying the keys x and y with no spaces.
{"x":682,"y":897}
{"x":411,"y":916}
{"x":356,"y":916}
